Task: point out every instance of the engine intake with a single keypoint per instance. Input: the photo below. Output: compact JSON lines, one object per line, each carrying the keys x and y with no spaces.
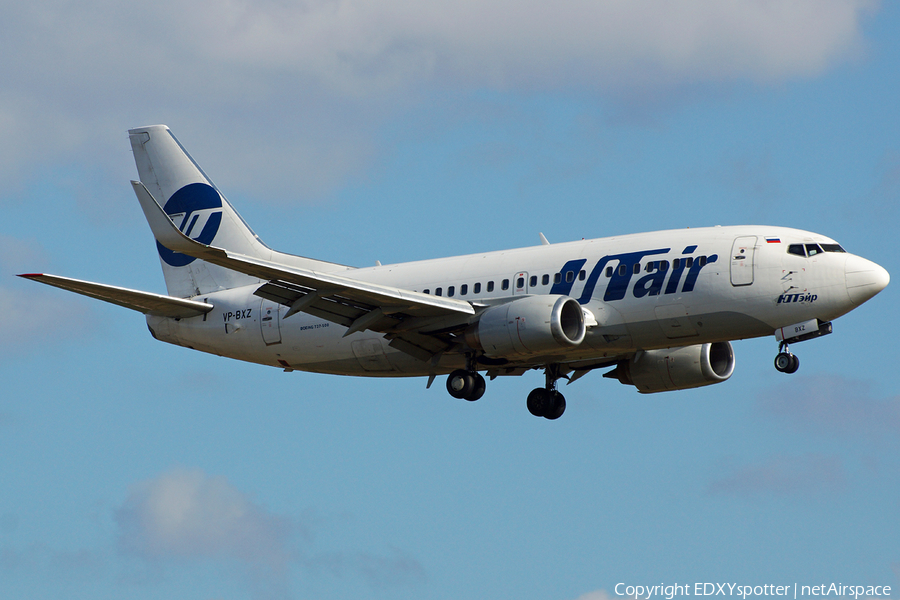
{"x":677,"y":368}
{"x":530,"y":325}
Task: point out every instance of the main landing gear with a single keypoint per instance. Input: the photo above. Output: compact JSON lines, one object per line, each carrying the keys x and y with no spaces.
{"x":466,"y":385}
{"x":547,"y":402}
{"x":785,"y":361}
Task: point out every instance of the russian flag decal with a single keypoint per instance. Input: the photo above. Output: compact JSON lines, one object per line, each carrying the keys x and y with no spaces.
{"x":773,"y":240}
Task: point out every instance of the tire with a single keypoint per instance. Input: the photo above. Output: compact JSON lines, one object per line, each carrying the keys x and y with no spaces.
{"x":795,"y":364}
{"x":537,"y":401}
{"x":557,"y":406}
{"x":784,"y":361}
{"x":477,"y":389}
{"x":460,"y":384}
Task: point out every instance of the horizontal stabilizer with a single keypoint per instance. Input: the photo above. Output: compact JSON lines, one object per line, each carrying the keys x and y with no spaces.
{"x":145,"y":302}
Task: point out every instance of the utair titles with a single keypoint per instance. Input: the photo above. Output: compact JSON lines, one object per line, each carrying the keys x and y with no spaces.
{"x":627,"y":265}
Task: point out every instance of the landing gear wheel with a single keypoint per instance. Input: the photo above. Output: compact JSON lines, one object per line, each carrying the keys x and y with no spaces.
{"x":466,"y":385}
{"x":786,"y":362}
{"x":557,"y":406}
{"x":461,"y":384}
{"x":782,"y":362}
{"x":546,"y":401}
{"x":477,"y":389}
{"x":795,"y":364}
{"x":538,"y":401}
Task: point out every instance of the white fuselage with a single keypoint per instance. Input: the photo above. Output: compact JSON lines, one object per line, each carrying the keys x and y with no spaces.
{"x":645,"y":291}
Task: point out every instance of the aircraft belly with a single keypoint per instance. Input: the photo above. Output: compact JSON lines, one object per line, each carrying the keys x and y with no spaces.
{"x":675,"y":321}
{"x":706,"y":328}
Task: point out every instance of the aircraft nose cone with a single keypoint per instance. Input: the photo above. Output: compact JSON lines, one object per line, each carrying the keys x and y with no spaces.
{"x":864,"y":278}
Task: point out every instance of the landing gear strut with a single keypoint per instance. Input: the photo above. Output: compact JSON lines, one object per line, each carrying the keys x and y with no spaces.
{"x":547,"y":402}
{"x":785,"y":361}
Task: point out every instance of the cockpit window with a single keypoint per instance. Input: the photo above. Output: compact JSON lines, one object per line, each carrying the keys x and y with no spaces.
{"x":813,"y":249}
{"x":832,"y":248}
{"x":796,"y":249}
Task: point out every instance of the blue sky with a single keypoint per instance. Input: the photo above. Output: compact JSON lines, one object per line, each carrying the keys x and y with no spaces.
{"x":395,"y":131}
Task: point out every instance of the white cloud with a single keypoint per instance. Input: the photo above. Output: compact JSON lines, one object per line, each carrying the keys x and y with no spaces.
{"x":364,"y":46}
{"x":310,"y":82}
{"x":185,"y":515}
{"x":189,"y":514}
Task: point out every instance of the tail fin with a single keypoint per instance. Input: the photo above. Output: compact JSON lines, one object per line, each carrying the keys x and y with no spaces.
{"x":201,"y":212}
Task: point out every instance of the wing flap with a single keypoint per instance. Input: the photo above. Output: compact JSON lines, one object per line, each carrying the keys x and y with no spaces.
{"x":144,"y":302}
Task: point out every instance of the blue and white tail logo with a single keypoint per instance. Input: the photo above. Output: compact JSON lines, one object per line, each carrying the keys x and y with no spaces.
{"x":196,"y":209}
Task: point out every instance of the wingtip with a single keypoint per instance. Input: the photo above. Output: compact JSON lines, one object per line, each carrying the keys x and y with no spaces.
{"x":30,"y":275}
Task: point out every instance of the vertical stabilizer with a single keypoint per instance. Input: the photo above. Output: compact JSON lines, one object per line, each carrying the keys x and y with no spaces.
{"x":197,"y":208}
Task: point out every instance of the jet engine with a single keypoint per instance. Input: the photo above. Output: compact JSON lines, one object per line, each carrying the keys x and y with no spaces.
{"x":676,"y":368}
{"x":530,"y":325}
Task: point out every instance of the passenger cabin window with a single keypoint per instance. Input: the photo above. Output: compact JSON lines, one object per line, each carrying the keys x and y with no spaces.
{"x":636,"y":268}
{"x":490,"y":286}
{"x":689,"y":262}
{"x":609,"y":271}
{"x":796,"y":249}
{"x":581,"y":275}
{"x":463,"y":289}
{"x":676,"y":263}
{"x":813,"y":249}
{"x":450,"y":291}
{"x":426,"y":291}
{"x":702,"y":261}
{"x":557,"y":277}
{"x":663,"y":265}
{"x":570,"y":276}
{"x":505,"y":285}
{"x":649,"y":267}
{"x":476,"y":289}
{"x":623,"y":269}
{"x":438,"y":291}
{"x":520,"y":282}
{"x":533,"y":282}
{"x":545,"y":280}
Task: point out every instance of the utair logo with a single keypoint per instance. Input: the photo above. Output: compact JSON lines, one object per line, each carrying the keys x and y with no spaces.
{"x":196,"y":209}
{"x":661,"y":275}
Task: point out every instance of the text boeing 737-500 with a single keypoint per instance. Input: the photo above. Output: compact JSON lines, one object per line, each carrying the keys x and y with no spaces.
{"x":659,"y":309}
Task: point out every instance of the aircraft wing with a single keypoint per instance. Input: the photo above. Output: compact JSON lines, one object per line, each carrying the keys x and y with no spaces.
{"x":357,"y":305}
{"x":145,"y":302}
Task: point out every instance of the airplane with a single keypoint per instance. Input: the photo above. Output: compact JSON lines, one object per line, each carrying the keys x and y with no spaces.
{"x":659,"y":309}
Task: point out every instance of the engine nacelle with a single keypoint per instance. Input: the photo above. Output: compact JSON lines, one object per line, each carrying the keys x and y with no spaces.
{"x":677,"y":368}
{"x":530,"y":325}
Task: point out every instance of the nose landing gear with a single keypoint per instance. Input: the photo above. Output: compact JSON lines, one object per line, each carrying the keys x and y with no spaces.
{"x":785,"y":361}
